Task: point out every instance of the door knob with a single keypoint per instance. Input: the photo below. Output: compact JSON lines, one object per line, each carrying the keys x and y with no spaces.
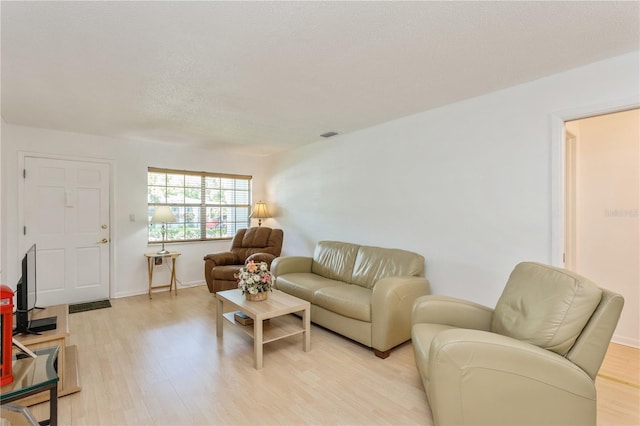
{"x":103,"y":241}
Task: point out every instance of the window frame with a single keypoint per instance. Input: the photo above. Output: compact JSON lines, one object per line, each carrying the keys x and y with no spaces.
{"x":231,"y":226}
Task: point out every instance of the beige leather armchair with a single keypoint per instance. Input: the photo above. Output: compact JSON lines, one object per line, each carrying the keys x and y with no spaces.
{"x":260,"y":244}
{"x":532,"y":360}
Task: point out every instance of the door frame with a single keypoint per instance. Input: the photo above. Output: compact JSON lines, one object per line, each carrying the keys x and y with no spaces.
{"x":109,"y":162}
{"x":569,"y":205}
{"x":558,"y":165}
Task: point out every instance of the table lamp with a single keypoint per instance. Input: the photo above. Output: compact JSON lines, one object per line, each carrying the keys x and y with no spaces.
{"x":163,"y":215}
{"x":260,"y":212}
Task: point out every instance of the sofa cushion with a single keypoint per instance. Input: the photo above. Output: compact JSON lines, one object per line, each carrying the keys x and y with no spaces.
{"x":348,"y":300}
{"x":303,"y":284}
{"x":334,"y":260}
{"x":374,"y":263}
{"x":545,"y":306}
{"x":225,"y":272}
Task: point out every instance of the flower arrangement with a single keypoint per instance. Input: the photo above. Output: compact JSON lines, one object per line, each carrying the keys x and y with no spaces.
{"x":254,"y":278}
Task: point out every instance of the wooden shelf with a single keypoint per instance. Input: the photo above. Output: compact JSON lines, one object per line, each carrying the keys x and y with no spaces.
{"x":67,"y":355}
{"x":273,"y":329}
{"x":72,"y":378}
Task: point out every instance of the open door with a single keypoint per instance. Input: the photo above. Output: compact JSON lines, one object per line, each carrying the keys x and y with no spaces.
{"x":601,"y":208}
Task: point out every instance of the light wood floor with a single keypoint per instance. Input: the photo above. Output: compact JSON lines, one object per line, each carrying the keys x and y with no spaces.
{"x":159,"y":362}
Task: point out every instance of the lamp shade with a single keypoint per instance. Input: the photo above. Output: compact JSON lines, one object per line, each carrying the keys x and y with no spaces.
{"x":163,"y":214}
{"x":260,"y":211}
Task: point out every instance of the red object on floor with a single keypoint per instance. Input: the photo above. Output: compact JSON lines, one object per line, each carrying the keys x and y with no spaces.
{"x":6,"y":329}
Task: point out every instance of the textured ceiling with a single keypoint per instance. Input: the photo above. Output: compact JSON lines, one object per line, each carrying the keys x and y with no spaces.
{"x":269,"y":76}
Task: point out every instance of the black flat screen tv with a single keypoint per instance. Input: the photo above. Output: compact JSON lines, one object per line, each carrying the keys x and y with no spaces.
{"x":26,"y":297}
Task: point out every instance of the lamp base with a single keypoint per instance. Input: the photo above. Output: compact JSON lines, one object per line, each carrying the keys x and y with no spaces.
{"x":163,"y":251}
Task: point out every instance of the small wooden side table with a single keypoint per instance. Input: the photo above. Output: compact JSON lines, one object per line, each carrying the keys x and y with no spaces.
{"x":67,"y":357}
{"x":151,"y":260}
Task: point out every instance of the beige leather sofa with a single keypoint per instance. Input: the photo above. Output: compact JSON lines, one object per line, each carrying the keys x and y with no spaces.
{"x":530,"y":361}
{"x":364,"y":293}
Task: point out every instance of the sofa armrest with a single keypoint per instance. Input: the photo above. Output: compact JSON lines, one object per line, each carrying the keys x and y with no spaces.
{"x":391,"y":302}
{"x":450,"y":311}
{"x":290,"y":264}
{"x":470,"y":371}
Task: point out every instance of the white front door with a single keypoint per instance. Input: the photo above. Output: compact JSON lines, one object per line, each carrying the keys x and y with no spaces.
{"x":66,"y":214}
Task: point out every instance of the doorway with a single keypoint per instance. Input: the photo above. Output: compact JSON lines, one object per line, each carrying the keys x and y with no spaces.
{"x":65,"y":211}
{"x":602,"y":194}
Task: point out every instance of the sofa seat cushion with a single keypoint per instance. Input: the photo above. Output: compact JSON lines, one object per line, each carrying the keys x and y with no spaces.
{"x":304,"y":284}
{"x":225,"y":272}
{"x":348,"y":300}
{"x":547,"y":307}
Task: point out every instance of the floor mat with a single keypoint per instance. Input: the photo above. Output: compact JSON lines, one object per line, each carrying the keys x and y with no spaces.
{"x":90,"y":306}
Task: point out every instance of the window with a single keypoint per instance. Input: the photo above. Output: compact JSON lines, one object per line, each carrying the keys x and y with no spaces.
{"x":207,"y":206}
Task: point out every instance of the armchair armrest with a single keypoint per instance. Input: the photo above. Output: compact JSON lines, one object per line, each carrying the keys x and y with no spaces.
{"x":261,"y":257}
{"x":486,"y":378}
{"x":217,"y":259}
{"x":223,"y":258}
{"x":450,"y":311}
{"x":391,"y":302}
{"x":290,"y":264}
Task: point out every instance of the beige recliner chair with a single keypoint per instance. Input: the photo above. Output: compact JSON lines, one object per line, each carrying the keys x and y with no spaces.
{"x":260,"y":244}
{"x":532,"y":360}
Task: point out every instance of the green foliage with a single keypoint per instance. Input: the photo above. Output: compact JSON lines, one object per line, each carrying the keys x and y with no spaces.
{"x":205,"y":207}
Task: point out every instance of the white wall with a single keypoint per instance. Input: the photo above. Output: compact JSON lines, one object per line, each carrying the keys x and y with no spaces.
{"x":129,"y":194}
{"x":467,"y":185}
{"x":607,"y":201}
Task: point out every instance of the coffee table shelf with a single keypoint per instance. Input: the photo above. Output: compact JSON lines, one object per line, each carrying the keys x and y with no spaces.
{"x":274,"y":329}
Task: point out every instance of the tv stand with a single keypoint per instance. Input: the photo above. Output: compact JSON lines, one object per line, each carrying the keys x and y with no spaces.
{"x":67,"y":355}
{"x":39,"y":325}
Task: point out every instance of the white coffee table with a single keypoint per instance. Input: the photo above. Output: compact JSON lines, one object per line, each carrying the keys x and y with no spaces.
{"x":276,"y":309}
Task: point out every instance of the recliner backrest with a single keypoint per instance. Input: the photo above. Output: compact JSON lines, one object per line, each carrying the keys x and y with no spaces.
{"x":590,"y":348}
{"x":260,"y":239}
{"x":545,"y":306}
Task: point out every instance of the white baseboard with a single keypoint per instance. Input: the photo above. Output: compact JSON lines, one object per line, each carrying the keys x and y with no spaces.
{"x":139,"y":292}
{"x":626,"y":341}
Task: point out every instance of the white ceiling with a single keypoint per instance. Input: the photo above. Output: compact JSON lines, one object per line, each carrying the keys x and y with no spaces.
{"x":268,"y":76}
